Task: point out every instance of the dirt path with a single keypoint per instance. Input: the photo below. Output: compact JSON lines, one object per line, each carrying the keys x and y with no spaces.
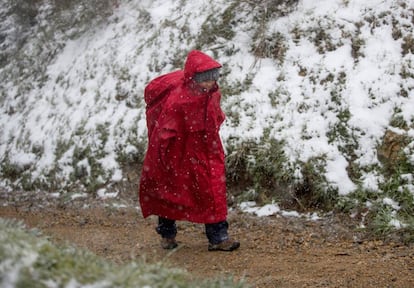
{"x":275,"y":251}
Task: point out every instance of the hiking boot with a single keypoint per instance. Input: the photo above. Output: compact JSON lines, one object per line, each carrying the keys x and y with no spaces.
{"x":168,"y":243}
{"x":227,"y":245}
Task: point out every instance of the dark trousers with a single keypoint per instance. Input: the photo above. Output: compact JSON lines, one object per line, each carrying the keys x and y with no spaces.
{"x":215,"y":232}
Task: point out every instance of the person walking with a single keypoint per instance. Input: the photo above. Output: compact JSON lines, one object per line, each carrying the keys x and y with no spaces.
{"x":183,"y":174}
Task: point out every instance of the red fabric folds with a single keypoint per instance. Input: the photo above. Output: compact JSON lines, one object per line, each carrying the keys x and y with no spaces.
{"x":183,"y":174}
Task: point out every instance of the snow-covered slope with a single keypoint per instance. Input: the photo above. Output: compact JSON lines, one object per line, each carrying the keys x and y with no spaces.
{"x":326,"y":77}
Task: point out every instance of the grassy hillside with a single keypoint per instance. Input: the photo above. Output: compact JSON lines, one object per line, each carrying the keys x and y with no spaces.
{"x":318,"y":96}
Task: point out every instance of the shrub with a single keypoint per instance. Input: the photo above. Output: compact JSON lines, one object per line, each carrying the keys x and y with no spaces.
{"x":29,"y":260}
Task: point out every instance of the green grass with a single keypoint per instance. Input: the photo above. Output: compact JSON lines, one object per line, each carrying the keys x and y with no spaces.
{"x":29,"y":260}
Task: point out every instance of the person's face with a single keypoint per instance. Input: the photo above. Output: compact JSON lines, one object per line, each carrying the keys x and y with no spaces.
{"x":207,"y":84}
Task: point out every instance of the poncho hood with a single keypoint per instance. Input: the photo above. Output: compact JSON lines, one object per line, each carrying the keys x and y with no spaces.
{"x":197,"y":62}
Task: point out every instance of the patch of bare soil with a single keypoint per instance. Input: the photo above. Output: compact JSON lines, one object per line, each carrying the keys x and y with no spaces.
{"x":275,"y":251}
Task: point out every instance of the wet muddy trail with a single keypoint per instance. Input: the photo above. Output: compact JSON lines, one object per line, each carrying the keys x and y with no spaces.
{"x":275,"y":251}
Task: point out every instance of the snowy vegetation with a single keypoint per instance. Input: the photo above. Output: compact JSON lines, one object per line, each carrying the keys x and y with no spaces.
{"x":29,"y":260}
{"x":318,"y":96}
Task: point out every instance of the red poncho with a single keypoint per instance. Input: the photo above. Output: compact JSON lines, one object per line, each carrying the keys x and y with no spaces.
{"x":183,"y":174}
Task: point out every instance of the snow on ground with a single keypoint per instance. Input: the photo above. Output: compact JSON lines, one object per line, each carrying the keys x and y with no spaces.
{"x":118,"y":59}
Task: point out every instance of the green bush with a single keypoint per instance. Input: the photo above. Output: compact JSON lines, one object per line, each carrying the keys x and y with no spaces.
{"x":29,"y":260}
